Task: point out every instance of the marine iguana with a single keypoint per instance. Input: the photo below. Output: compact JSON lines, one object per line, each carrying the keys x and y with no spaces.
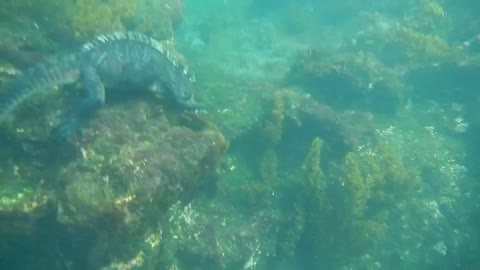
{"x":111,"y":60}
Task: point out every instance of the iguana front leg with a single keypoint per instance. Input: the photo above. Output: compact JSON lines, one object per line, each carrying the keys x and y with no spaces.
{"x":86,"y":108}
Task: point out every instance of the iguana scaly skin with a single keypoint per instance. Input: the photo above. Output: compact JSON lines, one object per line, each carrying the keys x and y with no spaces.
{"x":111,"y":60}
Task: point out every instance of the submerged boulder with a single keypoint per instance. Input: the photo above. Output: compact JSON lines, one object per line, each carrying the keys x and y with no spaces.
{"x":139,"y":157}
{"x":296,"y":119}
{"x":357,"y":81}
{"x":116,"y":182}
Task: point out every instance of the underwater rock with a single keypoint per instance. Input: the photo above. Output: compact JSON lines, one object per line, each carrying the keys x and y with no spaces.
{"x":349,"y":81}
{"x":452,"y":81}
{"x":418,"y":38}
{"x":158,"y":18}
{"x":131,"y":164}
{"x":155,"y":18}
{"x":51,"y":23}
{"x":303,"y":119}
{"x":216,"y":236}
{"x":236,"y":105}
{"x":138,"y":157}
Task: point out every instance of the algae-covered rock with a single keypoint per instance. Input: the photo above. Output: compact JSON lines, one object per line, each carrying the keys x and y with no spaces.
{"x":300,"y":119}
{"x":236,"y":105}
{"x":453,"y":81}
{"x":49,"y":25}
{"x":347,"y":202}
{"x":406,"y":41}
{"x":156,"y":18}
{"x":217,"y":236}
{"x":124,"y":170}
{"x":138,"y":154}
{"x":349,"y":81}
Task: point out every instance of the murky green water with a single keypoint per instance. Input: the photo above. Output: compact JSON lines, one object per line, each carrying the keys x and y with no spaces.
{"x":329,"y":135}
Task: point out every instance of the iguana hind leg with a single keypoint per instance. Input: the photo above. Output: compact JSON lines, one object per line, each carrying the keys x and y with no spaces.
{"x":86,"y":108}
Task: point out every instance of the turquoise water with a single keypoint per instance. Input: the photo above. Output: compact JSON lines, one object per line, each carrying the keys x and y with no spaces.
{"x":330,"y":135}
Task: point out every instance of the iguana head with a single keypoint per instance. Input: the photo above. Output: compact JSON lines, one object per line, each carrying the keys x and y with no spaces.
{"x":182,"y":87}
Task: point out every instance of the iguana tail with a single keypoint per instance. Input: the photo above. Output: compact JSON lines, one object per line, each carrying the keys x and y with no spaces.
{"x":43,"y":76}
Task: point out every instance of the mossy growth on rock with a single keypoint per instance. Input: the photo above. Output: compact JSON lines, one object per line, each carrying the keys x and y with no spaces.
{"x":356,"y":81}
{"x":119,"y":176}
{"x":63,"y":22}
{"x":346,"y":202}
{"x":145,"y":158}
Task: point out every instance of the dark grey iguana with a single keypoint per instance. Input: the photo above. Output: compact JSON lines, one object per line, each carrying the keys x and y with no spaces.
{"x":111,"y":60}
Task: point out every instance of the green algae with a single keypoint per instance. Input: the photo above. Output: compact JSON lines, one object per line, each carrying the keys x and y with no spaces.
{"x":349,"y":80}
{"x":422,"y":46}
{"x":335,"y":206}
{"x":91,"y":18}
